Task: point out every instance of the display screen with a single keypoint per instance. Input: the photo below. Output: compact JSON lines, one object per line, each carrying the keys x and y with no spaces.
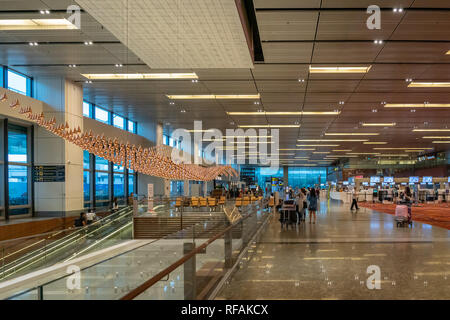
{"x":388,"y":179}
{"x":345,"y":183}
{"x":374,"y":179}
{"x":413,"y":179}
{"x":427,"y":180}
{"x":449,"y":179}
{"x":365,"y":183}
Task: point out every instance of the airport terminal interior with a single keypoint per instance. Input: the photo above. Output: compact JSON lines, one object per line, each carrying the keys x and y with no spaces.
{"x":224,"y":149}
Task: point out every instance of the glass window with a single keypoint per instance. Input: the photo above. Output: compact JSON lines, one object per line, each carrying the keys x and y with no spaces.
{"x":131,"y":180}
{"x":18,"y":185}
{"x":117,"y":168}
{"x":86,"y":186}
{"x":101,"y":115}
{"x":86,"y":160}
{"x":101,"y":164}
{"x":119,"y":185}
{"x":17,"y":82}
{"x":86,"y":109}
{"x":101,"y":186}
{"x":17,"y":144}
{"x":118,"y":121}
{"x":131,"y":126}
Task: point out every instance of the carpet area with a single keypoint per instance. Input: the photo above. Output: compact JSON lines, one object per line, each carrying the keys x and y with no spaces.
{"x":434,"y":214}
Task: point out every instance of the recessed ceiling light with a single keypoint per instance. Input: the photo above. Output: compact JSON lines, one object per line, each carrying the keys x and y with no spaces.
{"x":270,"y":126}
{"x":119,"y":65}
{"x":138,"y":76}
{"x":183,"y":111}
{"x":214,"y":97}
{"x":317,"y":145}
{"x":420,"y":105}
{"x":351,"y":134}
{"x":373,"y":124}
{"x":88,"y":81}
{"x":33,"y":44}
{"x":378,"y":41}
{"x":431,"y":130}
{"x":172,"y":103}
{"x":88,"y":43}
{"x":301,"y":80}
{"x":296,"y":149}
{"x":283,"y":113}
{"x":405,"y":148}
{"x":429,"y":84}
{"x":332,"y":140}
{"x":375,"y":142}
{"x":436,"y":137}
{"x":339,"y":69}
{"x":194,"y":80}
{"x":36,"y":24}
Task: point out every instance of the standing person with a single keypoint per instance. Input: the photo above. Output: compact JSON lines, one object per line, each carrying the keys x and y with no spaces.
{"x":354,"y":200}
{"x":301,"y":204}
{"x":312,"y":198}
{"x":409,"y":201}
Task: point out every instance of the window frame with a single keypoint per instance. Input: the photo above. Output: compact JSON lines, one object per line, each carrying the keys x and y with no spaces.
{"x":4,"y":81}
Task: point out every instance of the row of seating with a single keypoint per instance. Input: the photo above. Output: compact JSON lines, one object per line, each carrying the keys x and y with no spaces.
{"x":246,"y":201}
{"x":199,"y":202}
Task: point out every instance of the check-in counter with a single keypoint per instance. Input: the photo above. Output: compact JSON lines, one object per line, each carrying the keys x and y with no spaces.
{"x":365,"y":195}
{"x":345,"y":197}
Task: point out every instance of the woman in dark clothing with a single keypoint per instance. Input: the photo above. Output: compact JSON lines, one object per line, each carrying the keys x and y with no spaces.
{"x":312,"y":198}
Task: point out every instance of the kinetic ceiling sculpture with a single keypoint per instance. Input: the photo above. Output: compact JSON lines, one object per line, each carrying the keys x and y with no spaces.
{"x":155,"y":161}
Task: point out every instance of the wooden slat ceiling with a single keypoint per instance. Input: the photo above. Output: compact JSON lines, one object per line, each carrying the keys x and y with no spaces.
{"x":294,"y":34}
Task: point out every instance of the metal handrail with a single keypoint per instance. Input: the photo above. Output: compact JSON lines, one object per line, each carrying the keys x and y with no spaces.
{"x":82,"y":232}
{"x":143,"y":287}
{"x":97,"y":263}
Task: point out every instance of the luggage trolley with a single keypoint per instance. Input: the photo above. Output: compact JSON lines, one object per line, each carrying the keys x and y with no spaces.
{"x":403,"y":215}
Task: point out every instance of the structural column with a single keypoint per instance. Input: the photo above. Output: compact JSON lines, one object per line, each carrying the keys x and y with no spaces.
{"x":64,"y":101}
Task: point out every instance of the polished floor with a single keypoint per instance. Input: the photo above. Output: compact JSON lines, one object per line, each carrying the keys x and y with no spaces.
{"x":330,"y":259}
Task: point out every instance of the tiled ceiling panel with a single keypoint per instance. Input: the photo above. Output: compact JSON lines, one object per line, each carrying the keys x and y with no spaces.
{"x":176,"y":34}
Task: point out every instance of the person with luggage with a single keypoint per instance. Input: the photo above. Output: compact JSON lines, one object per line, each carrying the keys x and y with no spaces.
{"x":354,"y":200}
{"x":312,"y":198}
{"x":408,"y":201}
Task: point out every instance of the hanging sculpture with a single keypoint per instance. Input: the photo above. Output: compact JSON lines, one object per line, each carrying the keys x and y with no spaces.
{"x":155,"y":161}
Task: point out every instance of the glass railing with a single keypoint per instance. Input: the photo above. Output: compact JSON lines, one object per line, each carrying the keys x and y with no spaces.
{"x":20,"y":256}
{"x":185,"y":265}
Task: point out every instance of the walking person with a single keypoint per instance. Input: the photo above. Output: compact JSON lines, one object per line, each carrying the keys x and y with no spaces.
{"x":354,"y":200}
{"x":312,"y":198}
